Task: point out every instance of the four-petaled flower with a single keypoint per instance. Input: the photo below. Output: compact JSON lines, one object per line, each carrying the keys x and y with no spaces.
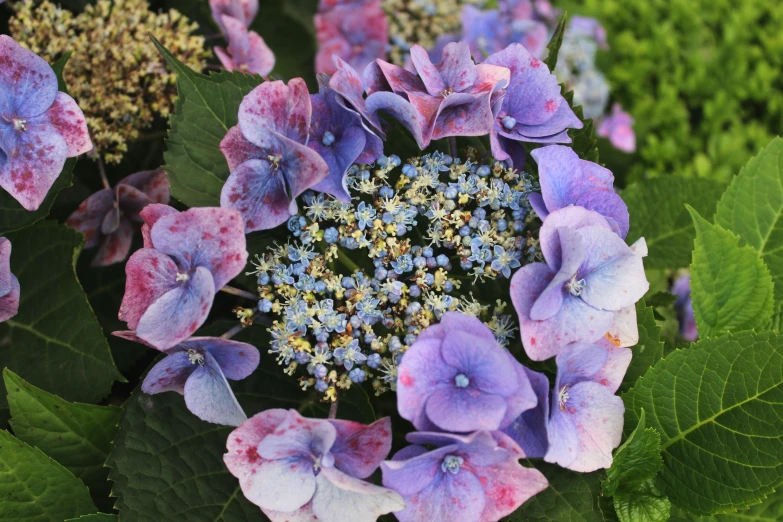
{"x":247,"y":52}
{"x":456,"y":377}
{"x":243,"y":10}
{"x":356,"y":31}
{"x":171,"y":282}
{"x":39,"y":126}
{"x":268,"y":156}
{"x":466,"y":478}
{"x":198,"y":368}
{"x":9,"y":284}
{"x":296,"y":468}
{"x":106,"y":218}
{"x":618,"y":127}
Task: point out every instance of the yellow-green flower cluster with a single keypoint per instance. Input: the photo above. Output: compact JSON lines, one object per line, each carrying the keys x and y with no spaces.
{"x":115,"y":73}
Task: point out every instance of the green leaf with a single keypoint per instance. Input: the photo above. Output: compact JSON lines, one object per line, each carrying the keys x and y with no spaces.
{"x":731,"y":286}
{"x":637,"y":460}
{"x":649,"y":350}
{"x":553,"y":47}
{"x":771,"y":510}
{"x":34,"y":487}
{"x":657,"y":208}
{"x":752,"y":207}
{"x":642,"y":503}
{"x":661,"y":299}
{"x":54,"y":342}
{"x":58,"y":67}
{"x":718,"y":407}
{"x":206,"y":107}
{"x":78,"y":436}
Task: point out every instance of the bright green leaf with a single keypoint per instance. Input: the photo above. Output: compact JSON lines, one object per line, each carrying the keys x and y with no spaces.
{"x":657,"y":208}
{"x":637,"y":460}
{"x":642,"y":502}
{"x":771,"y":510}
{"x":752,"y":207}
{"x":35,"y":488}
{"x":206,"y":107}
{"x":731,"y":287}
{"x":718,"y":407}
{"x":78,"y":436}
{"x":54,"y":342}
{"x":649,"y":350}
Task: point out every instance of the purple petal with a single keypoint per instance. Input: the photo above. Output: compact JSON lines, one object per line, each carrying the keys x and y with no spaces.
{"x":565,"y":177}
{"x":568,"y":217}
{"x":456,"y":321}
{"x":359,"y":449}
{"x":529,"y":429}
{"x":237,"y":149}
{"x":237,"y":360}
{"x":29,"y":86}
{"x":465,"y":409}
{"x":275,"y":106}
{"x":341,"y":497}
{"x":150,"y":215}
{"x":347,"y":83}
{"x":460,"y":116}
{"x":421,"y":371}
{"x":507,"y":485}
{"x":579,"y":362}
{"x":609,"y":205}
{"x":9,"y":302}
{"x":298,"y":436}
{"x":401,"y":110}
{"x":573,"y":250}
{"x":413,"y":468}
{"x":209,"y":397}
{"x":490,"y":78}
{"x":5,"y":266}
{"x":537,"y":202}
{"x":396,"y":78}
{"x":149,"y":275}
{"x":243,"y":10}
{"x":154,"y":184}
{"x":115,"y":246}
{"x":523,"y":399}
{"x":613,"y":372}
{"x":551,"y":131}
{"x":485,"y":363}
{"x":259,"y":193}
{"x":430,"y":75}
{"x":68,"y":120}
{"x":456,"y":498}
{"x":170,"y":374}
{"x":175,"y":315}
{"x":88,"y":217}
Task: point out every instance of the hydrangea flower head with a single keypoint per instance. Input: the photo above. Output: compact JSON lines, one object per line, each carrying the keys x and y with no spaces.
{"x":39,"y":126}
{"x":106,"y":218}
{"x":198,"y":368}
{"x":9,"y":284}
{"x":618,"y":127}
{"x":244,"y":11}
{"x":456,"y":377}
{"x":589,"y":277}
{"x":450,"y":98}
{"x":466,"y":478}
{"x":490,"y":31}
{"x":568,"y":180}
{"x":356,"y":31}
{"x":296,"y":468}
{"x":171,"y":282}
{"x":532,"y":110}
{"x":247,"y":52}
{"x":268,"y":156}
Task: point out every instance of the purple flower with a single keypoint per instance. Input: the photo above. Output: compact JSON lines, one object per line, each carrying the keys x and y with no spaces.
{"x":106,"y":218}
{"x":618,"y":127}
{"x":338,"y":135}
{"x":357,"y":32}
{"x":198,"y":368}
{"x":9,"y":284}
{"x":589,"y":277}
{"x":268,"y":157}
{"x":247,"y":52}
{"x":585,"y":420}
{"x":466,"y":478}
{"x":347,"y":83}
{"x":532,"y":110}
{"x":456,"y":377}
{"x":567,"y":180}
{"x":585,"y":27}
{"x":451,"y":98}
{"x":487,"y":32}
{"x":243,"y":10}
{"x":171,"y":282}
{"x":684,"y":307}
{"x":39,"y":126}
{"x":298,"y":469}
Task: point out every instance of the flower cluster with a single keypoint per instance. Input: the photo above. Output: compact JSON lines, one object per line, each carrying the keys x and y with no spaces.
{"x":134,"y":86}
{"x":9,"y":284}
{"x":246,"y":51}
{"x":355,"y":30}
{"x":360,"y":280}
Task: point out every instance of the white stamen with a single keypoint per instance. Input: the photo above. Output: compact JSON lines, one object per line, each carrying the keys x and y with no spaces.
{"x":20,"y":125}
{"x":562,"y":397}
{"x":576,"y":287}
{"x":182,"y":277}
{"x":195,"y":358}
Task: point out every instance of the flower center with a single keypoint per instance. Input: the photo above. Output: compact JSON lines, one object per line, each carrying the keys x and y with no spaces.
{"x":275,"y":159}
{"x":461,"y":380}
{"x":576,"y":287}
{"x":451,"y":464}
{"x":195,"y":358}
{"x":328,"y":139}
{"x":508,"y":122}
{"x":562,"y":397}
{"x":20,"y":125}
{"x":447,"y":92}
{"x":182,"y":277}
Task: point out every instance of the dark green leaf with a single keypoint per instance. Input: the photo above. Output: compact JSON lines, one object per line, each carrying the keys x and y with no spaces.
{"x":78,"y":436}
{"x":555,"y":42}
{"x":54,"y":342}
{"x":642,"y":502}
{"x":771,"y":510}
{"x":58,"y":67}
{"x":649,"y":350}
{"x":661,"y":299}
{"x":34,"y":487}
{"x":637,"y":460}
{"x":95,"y":517}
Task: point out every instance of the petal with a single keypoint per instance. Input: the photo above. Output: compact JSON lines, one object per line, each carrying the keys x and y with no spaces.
{"x":457,"y":118}
{"x":88,"y":217}
{"x":609,"y":205}
{"x":451,"y":321}
{"x":303,"y":514}
{"x":421,"y":371}
{"x":152,"y":183}
{"x":242,"y":444}
{"x":430,"y":75}
{"x":213,"y":238}
{"x":275,"y":106}
{"x":490,"y":78}
{"x":29,"y":84}
{"x":524,"y":398}
{"x":551,"y":131}
{"x":237,"y":149}
{"x":537,"y":202}
{"x":209,"y":397}
{"x":262,"y":59}
{"x":244,"y":10}
{"x":298,"y":436}
{"x":572,"y":253}
{"x":613,"y":371}
{"x":346,"y":82}
{"x":465,"y":409}
{"x":5,"y":266}
{"x":339,"y":157}
{"x":485,"y":363}
{"x":564,"y":177}
{"x":456,"y":498}
{"x":66,"y":116}
{"x":169,"y":374}
{"x":175,"y":315}
{"x":115,"y":247}
{"x":568,"y":217}
{"x":508,"y":485}
{"x":401,"y":110}
{"x":281,"y":485}
{"x":149,"y":275}
{"x":579,"y":362}
{"x":341,"y":497}
{"x":225,"y":59}
{"x":413,"y":468}
{"x":259,"y":193}
{"x":398,"y":79}
{"x":624,"y":331}
{"x":237,"y":360}
{"x":150,"y":215}
{"x":9,"y":302}
{"x":529,"y":429}
{"x":359,"y":449}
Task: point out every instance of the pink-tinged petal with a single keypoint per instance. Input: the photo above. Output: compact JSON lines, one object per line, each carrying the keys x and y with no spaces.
{"x":529,"y":429}
{"x":275,"y":106}
{"x":209,"y":397}
{"x":401,"y":110}
{"x":30,"y":169}
{"x":262,"y":59}
{"x":115,"y":246}
{"x":242,"y":444}
{"x":585,"y":431}
{"x":150,"y":215}
{"x":613,"y":371}
{"x":88,"y":217}
{"x":430,"y":75}
{"x":259,"y":193}
{"x":237,"y":149}
{"x":579,"y":362}
{"x":152,"y":183}
{"x":456,"y":498}
{"x":413,"y":468}
{"x":456,"y":321}
{"x":398,"y":79}
{"x":624,"y":331}
{"x":456,"y":69}
{"x":421,"y":372}
{"x":329,"y":48}
{"x":237,"y":35}
{"x":225,"y":59}
{"x":5,"y":266}
{"x":303,"y":514}
{"x":456,"y":118}
{"x":298,"y":436}
{"x":569,"y":217}
{"x":149,"y":275}
{"x":465,"y":409}
{"x":573,"y":250}
{"x":9,"y":302}
{"x":490,"y":78}
{"x":341,"y":497}
{"x":170,"y":374}
{"x":507,"y":486}
{"x":213,"y":238}
{"x":359,"y":449}
{"x":237,"y":360}
{"x":66,"y":116}
{"x":428,"y":109}
{"x":282,"y":485}
{"x":29,"y":84}
{"x":130,"y":335}
{"x":175,"y":315}
{"x":247,"y":51}
{"x":243,"y":10}
{"x":347,"y":83}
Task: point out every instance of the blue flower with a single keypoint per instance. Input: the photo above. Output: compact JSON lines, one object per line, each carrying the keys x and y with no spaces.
{"x":350,"y":355}
{"x":365,"y":215}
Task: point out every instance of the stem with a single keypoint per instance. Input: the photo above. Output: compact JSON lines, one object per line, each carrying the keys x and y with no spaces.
{"x":333,"y":408}
{"x":257,"y":317}
{"x":102,"y":170}
{"x":347,"y":261}
{"x":241,"y":293}
{"x":453,"y":147}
